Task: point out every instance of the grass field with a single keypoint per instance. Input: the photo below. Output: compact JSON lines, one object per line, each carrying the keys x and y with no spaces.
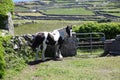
{"x":71,"y":68}
{"x":114,"y":14}
{"x":69,"y":11}
{"x":20,"y":8}
{"x":43,"y":25}
{"x":29,"y":14}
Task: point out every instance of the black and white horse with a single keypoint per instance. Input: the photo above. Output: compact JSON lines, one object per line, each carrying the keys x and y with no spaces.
{"x":55,"y":38}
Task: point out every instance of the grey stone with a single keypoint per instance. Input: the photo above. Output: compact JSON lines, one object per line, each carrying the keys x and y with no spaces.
{"x":9,"y":24}
{"x":112,"y":46}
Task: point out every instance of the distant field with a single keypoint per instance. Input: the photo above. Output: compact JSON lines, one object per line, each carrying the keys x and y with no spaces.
{"x":29,"y":14}
{"x":69,"y":11}
{"x":20,"y":8}
{"x":42,"y":25}
{"x":114,"y":9}
{"x":115,"y":14}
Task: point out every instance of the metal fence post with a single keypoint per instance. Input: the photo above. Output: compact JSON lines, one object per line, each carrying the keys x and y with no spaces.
{"x":91,"y":43}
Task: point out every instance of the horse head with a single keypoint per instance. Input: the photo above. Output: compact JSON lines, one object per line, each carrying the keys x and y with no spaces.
{"x":69,"y":30}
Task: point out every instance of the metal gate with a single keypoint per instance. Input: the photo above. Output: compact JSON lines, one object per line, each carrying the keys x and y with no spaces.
{"x":90,"y":41}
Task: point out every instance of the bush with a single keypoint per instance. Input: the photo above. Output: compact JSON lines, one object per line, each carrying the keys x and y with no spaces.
{"x":5,"y":7}
{"x":110,"y":29}
{"x":16,"y":59}
{"x":2,"y":61}
{"x":9,"y":58}
{"x":13,"y":59}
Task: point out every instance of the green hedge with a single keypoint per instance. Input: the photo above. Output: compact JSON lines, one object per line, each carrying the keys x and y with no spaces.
{"x":2,"y":61}
{"x":5,"y":7}
{"x":11,"y":59}
{"x":110,"y":29}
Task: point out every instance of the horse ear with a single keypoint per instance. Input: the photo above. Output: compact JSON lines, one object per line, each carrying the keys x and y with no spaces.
{"x":69,"y":26}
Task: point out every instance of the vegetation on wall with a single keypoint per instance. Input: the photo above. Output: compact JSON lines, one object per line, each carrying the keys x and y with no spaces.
{"x":2,"y":61}
{"x":5,"y":7}
{"x":13,"y":59}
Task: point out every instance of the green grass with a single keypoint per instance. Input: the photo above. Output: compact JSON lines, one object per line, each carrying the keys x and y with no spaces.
{"x":116,"y":9}
{"x":69,"y":11}
{"x":115,"y":14}
{"x":112,"y":11}
{"x":72,"y":68}
{"x":20,"y":8}
{"x":29,"y":14}
{"x":89,"y":54}
{"x":42,"y":25}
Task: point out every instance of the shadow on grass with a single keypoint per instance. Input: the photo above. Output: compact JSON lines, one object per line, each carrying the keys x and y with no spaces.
{"x":37,"y":62}
{"x":40,"y":61}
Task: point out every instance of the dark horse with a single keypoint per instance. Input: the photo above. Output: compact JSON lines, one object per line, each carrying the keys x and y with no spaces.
{"x":55,"y":38}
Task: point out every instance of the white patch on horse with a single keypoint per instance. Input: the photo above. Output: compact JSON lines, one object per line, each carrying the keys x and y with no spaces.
{"x":55,"y":34}
{"x":71,"y":33}
{"x":59,"y":33}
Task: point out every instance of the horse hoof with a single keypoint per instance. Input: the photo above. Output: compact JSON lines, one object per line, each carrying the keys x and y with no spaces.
{"x":59,"y":59}
{"x":43,"y":60}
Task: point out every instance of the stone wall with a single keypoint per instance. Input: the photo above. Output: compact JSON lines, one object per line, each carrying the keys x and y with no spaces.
{"x":8,"y":24}
{"x":112,"y":47}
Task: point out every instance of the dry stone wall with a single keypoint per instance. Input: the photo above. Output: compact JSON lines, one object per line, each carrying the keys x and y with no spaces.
{"x":112,"y":46}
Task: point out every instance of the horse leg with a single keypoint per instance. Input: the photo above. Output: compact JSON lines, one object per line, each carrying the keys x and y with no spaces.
{"x":36,"y":56}
{"x":58,"y":53}
{"x":43,"y":52}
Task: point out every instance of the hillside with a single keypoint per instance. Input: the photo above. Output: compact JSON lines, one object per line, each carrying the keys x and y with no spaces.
{"x":85,"y":10}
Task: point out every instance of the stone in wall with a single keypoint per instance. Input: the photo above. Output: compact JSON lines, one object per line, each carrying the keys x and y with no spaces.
{"x":112,"y":47}
{"x":9,"y":24}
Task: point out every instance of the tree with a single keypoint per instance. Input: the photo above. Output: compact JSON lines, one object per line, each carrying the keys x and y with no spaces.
{"x":5,"y":7}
